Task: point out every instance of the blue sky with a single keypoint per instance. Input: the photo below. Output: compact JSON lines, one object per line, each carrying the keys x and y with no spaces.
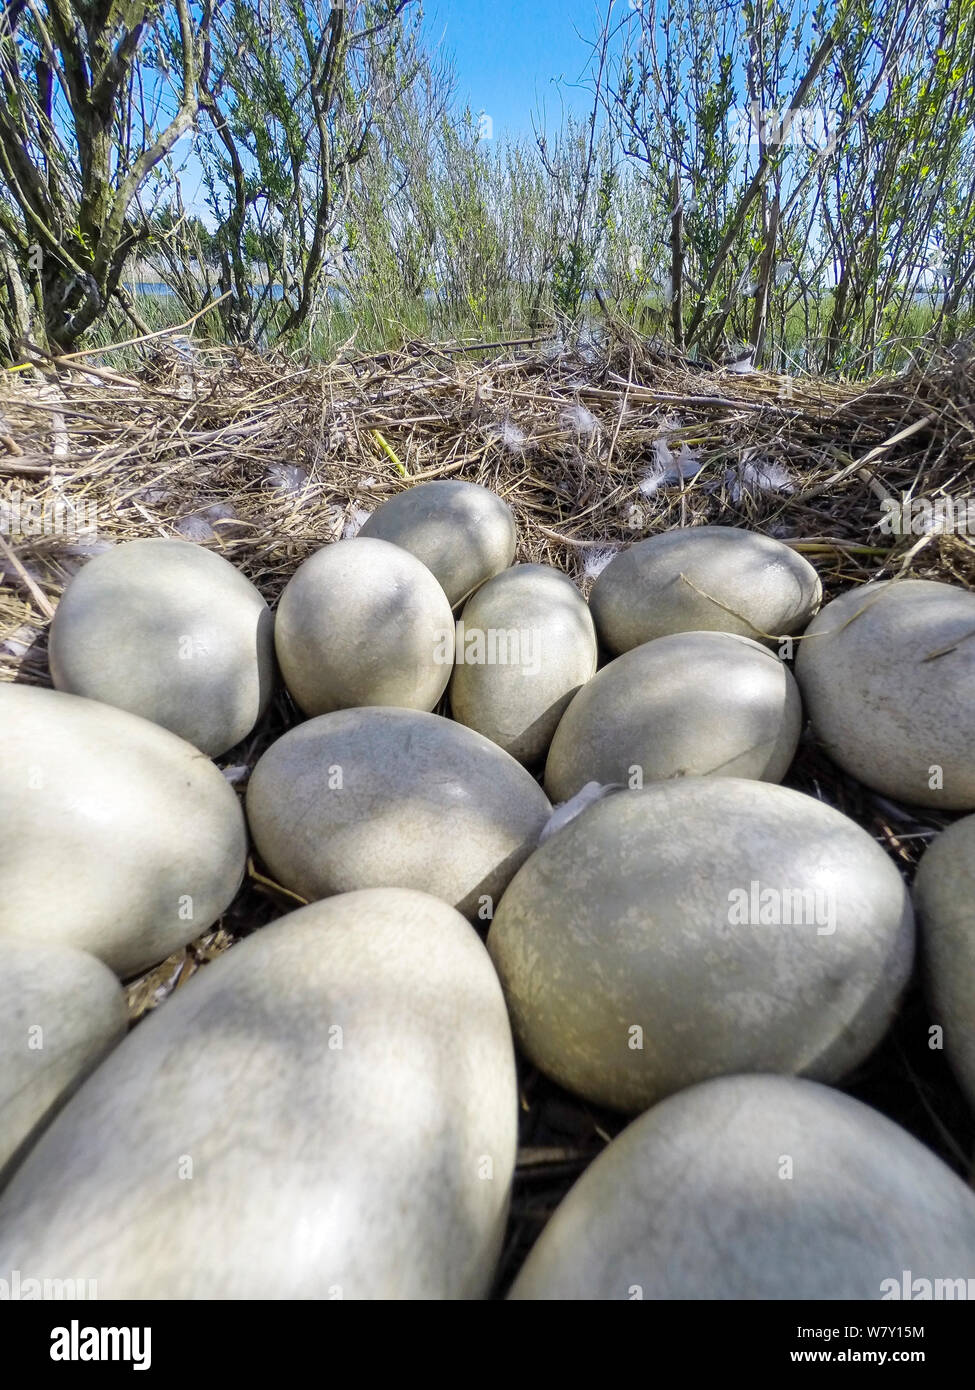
{"x":509,"y":56}
{"x":514,"y":61}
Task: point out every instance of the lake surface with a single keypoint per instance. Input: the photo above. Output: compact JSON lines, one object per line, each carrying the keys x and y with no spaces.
{"x":148,"y":289}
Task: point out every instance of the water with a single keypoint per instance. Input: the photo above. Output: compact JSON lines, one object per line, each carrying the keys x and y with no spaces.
{"x":150,"y":289}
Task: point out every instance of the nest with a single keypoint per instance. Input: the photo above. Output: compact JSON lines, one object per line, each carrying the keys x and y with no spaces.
{"x":266,"y":461}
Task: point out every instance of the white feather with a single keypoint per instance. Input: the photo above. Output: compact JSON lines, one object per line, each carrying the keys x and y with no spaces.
{"x":356,"y":521}
{"x":663,"y":455}
{"x":195,"y":528}
{"x":567,"y":811}
{"x":669,"y":469}
{"x":20,"y":640}
{"x":507,"y":434}
{"x":754,"y":476}
{"x":511,"y":436}
{"x":652,"y":480}
{"x":578,"y":418}
{"x":153,"y":495}
{"x":597,"y":559}
{"x":287,"y":478}
{"x":220,"y":511}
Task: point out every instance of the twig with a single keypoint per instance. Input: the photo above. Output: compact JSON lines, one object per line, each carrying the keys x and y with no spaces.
{"x":144,"y":337}
{"x":39,"y":598}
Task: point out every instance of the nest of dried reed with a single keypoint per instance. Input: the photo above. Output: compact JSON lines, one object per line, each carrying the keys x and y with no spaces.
{"x":266,"y":461}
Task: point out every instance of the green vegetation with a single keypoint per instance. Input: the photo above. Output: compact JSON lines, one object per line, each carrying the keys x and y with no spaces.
{"x":795,"y":179}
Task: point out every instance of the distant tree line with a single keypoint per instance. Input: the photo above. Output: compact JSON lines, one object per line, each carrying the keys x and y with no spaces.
{"x":795,"y":179}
